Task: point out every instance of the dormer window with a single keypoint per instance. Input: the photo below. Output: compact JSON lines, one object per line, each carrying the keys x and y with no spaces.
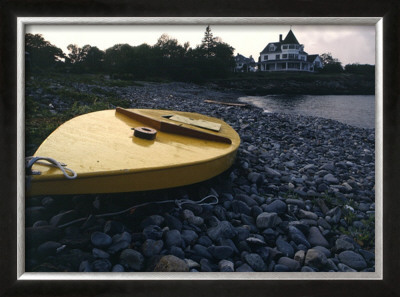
{"x":272,"y":47}
{"x":284,"y":46}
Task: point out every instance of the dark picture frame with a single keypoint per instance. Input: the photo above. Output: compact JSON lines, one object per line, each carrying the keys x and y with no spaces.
{"x":175,"y":286}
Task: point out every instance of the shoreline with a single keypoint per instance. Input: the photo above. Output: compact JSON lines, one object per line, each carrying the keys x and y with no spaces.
{"x":300,"y":197}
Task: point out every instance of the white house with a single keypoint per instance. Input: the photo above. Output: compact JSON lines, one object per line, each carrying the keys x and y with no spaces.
{"x":288,"y":55}
{"x":244,"y":64}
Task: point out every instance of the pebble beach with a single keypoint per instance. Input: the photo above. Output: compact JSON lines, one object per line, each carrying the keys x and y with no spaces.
{"x":300,"y":197}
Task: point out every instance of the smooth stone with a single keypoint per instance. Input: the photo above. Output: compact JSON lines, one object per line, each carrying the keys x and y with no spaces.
{"x":344,"y":268}
{"x":271,"y":172}
{"x":124,"y":236}
{"x":189,"y":236}
{"x":331,"y":179}
{"x":98,"y":253}
{"x":241,"y":207}
{"x":172,"y":222}
{"x":101,"y":265}
{"x":255,"y":262}
{"x":132,"y":259}
{"x":100,"y":239}
{"x":226,"y":266}
{"x":353,"y":260}
{"x":170,"y":263}
{"x":298,"y":202}
{"x":118,"y":246}
{"x":85,"y":266}
{"x":315,"y":238}
{"x":292,"y":264}
{"x":244,"y":268}
{"x":205,"y":241}
{"x":48,"y":248}
{"x":267,"y":220}
{"x":343,"y":245}
{"x":326,"y":251}
{"x":153,"y":232}
{"x":221,"y":252}
{"x":281,"y":268}
{"x":177,"y":252}
{"x":224,"y":230}
{"x":285,"y":248}
{"x":202,"y":251}
{"x":118,"y":268}
{"x":300,"y":256}
{"x":277,"y":206}
{"x":197,"y":221}
{"x":298,"y":237}
{"x":152,"y":220}
{"x":246,"y":199}
{"x":152,"y":247}
{"x":113,"y":227}
{"x":192,"y":264}
{"x":304,"y":214}
{"x":315,"y":258}
{"x":173,"y":238}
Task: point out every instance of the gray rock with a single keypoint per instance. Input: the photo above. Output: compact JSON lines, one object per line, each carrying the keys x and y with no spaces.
{"x":331,"y":179}
{"x":326,"y":252}
{"x":97,"y":253}
{"x":267,"y":220}
{"x":315,"y":258}
{"x":197,"y":221}
{"x":244,"y":268}
{"x":170,"y":263}
{"x":221,"y":252}
{"x":277,"y":206}
{"x":118,"y":268}
{"x":153,"y":232}
{"x":344,"y":268}
{"x":152,"y":247}
{"x":293,"y":265}
{"x":298,"y":237}
{"x":353,"y":260}
{"x":315,"y":238}
{"x":241,"y":207}
{"x":100,"y":239}
{"x":125,"y":236}
{"x":85,"y":266}
{"x":49,"y":248}
{"x":118,"y":246}
{"x":304,"y":214}
{"x":255,"y":262}
{"x":223,"y":230}
{"x":298,"y":202}
{"x":189,"y":236}
{"x":132,"y":259}
{"x":343,"y":245}
{"x":300,"y":256}
{"x":172,"y":222}
{"x":226,"y":266}
{"x":152,"y":220}
{"x":101,"y":265}
{"x":285,"y":248}
{"x":173,"y":238}
{"x":271,"y":172}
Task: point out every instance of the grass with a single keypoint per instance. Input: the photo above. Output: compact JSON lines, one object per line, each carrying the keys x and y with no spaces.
{"x":40,"y":121}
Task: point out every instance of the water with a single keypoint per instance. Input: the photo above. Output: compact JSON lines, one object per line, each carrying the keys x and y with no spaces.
{"x":355,"y":110}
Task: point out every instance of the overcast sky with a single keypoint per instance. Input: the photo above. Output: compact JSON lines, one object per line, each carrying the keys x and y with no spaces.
{"x":349,"y":44}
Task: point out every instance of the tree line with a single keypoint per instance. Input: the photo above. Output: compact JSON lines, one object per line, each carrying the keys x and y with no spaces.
{"x":167,"y":59}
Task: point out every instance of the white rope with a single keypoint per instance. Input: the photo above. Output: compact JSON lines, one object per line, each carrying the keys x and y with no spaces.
{"x":29,"y":161}
{"x":178,"y":203}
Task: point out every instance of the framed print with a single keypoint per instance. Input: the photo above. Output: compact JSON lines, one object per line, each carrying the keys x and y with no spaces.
{"x":269,"y":142}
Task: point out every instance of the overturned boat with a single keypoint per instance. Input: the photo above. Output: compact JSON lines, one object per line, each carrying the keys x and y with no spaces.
{"x":125,"y":150}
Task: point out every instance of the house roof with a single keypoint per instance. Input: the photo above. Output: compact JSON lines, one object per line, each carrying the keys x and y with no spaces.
{"x":311,"y":58}
{"x":290,"y":38}
{"x":242,"y":59}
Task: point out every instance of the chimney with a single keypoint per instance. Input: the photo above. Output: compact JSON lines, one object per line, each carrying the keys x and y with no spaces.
{"x":280,"y":37}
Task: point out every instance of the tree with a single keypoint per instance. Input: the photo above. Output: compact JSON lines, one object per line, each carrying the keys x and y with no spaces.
{"x":42,"y":54}
{"x":331,"y":65}
{"x":208,"y":43}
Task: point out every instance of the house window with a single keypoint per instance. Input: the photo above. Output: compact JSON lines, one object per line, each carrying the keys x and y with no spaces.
{"x":284,"y":46}
{"x":277,"y":57}
{"x":266,"y":58}
{"x":297,"y":46}
{"x":291,"y":46}
{"x":284,"y":56}
{"x":291,"y":56}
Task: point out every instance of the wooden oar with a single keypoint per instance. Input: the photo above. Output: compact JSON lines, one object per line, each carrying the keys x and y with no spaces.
{"x":172,"y":128}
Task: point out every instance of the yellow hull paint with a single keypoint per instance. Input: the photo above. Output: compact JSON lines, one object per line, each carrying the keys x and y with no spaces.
{"x":101,"y":149}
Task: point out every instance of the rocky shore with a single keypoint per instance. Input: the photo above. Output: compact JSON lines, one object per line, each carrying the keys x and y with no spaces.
{"x":300,"y":197}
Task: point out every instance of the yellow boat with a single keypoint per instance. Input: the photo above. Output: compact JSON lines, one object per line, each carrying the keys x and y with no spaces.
{"x":108,"y":157}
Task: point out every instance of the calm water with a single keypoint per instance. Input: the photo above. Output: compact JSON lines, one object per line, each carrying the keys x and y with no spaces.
{"x":355,"y":110}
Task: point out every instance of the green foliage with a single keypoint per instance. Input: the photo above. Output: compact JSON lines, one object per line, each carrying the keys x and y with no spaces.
{"x":364,"y":69}
{"x":41,"y":54}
